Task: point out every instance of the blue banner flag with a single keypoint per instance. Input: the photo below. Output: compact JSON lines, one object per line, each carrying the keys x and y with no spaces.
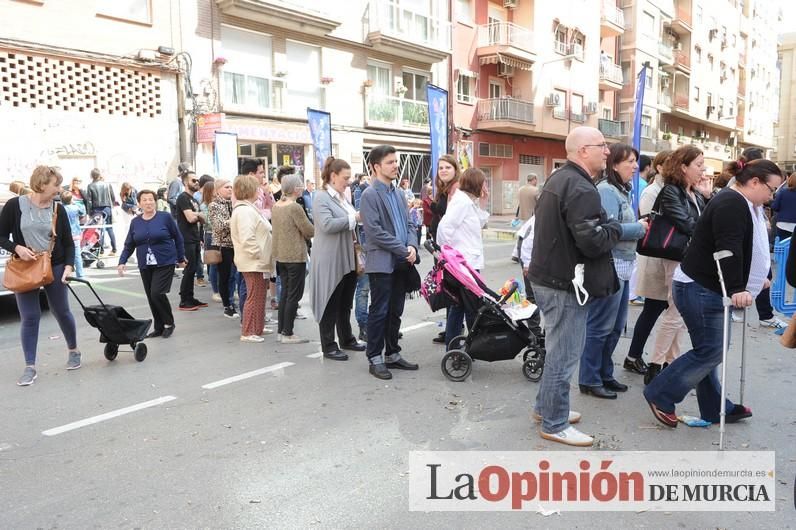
{"x":321,"y":133}
{"x":642,"y":83}
{"x":438,"y":125}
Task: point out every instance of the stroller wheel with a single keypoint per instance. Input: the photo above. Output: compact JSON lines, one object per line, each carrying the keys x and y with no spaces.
{"x":457,"y":342}
{"x":532,"y":369}
{"x":100,"y":264}
{"x":457,"y":365}
{"x":111,"y":351}
{"x":139,"y":352}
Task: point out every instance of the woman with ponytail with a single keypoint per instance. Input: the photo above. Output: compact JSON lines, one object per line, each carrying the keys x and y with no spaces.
{"x":334,"y":269}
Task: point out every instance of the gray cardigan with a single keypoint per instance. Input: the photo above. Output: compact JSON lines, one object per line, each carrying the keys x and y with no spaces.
{"x":382,"y":247}
{"x":617,"y":206}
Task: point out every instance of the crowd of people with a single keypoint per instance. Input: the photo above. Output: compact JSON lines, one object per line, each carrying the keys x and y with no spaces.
{"x":355,"y":243}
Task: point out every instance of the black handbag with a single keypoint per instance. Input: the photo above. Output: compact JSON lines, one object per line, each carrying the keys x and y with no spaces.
{"x":663,"y":239}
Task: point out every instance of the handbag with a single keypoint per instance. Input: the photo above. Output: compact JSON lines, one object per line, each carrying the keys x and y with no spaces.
{"x":663,"y":239}
{"x":359,"y":255}
{"x":23,"y":276}
{"x":211,"y":256}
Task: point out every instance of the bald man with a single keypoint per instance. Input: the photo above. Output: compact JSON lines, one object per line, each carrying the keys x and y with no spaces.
{"x":571,"y":230}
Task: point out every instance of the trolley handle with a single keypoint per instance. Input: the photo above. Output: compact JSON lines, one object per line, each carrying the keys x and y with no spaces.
{"x":70,"y":279}
{"x":512,"y":290}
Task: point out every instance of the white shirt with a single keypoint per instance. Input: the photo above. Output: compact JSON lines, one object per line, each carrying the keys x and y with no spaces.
{"x":527,"y":232}
{"x":341,"y":200}
{"x":461,"y":226}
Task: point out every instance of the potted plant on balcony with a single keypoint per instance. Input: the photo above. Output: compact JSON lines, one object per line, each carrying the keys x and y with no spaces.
{"x":218,"y":62}
{"x":400,"y":89}
{"x":667,"y":136}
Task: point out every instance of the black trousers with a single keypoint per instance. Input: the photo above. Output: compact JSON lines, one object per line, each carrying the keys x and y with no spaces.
{"x":224,"y":269}
{"x":387,"y":299}
{"x":194,"y":258}
{"x":292,"y":276}
{"x":157,"y":284}
{"x":646,"y":321}
{"x":338,"y":314}
{"x":763,"y":303}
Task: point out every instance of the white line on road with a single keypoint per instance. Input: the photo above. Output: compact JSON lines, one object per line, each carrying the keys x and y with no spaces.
{"x":247,"y":375}
{"x":417,"y":326}
{"x":107,"y":416}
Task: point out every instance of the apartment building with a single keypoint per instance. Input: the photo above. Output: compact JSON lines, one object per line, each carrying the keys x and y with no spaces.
{"x":785,"y":129}
{"x":82,"y":85}
{"x":709,"y":76}
{"x":525,"y":73}
{"x":262,"y":63}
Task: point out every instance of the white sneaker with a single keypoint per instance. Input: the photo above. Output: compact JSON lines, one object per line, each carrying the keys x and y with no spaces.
{"x":267,"y":331}
{"x":216,"y":297}
{"x":300,"y":316}
{"x":574,"y":417}
{"x":569,"y":436}
{"x":251,"y":338}
{"x":773,"y":323}
{"x":293,"y":339}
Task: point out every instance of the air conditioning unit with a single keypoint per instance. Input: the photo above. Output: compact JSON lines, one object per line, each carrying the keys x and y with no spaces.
{"x":591,"y":107}
{"x":510,"y":4}
{"x":553,"y":100}
{"x":505,"y":70}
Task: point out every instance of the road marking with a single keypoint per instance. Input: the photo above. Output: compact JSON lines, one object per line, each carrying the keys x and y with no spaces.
{"x":317,"y":355}
{"x":247,"y":375}
{"x":107,"y":416}
{"x":417,"y":326}
{"x":103,"y":287}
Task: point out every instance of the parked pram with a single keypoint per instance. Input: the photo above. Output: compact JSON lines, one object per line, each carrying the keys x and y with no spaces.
{"x":91,"y":241}
{"x":116,"y":326}
{"x":497,"y":333}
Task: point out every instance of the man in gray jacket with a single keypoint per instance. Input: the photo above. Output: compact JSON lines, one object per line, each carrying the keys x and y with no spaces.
{"x":102,"y":200}
{"x":391,"y":246}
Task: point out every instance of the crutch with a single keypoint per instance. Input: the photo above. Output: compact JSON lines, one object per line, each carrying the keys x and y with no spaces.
{"x":725,"y":343}
{"x":743,"y":355}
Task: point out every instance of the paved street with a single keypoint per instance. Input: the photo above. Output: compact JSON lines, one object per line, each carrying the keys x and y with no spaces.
{"x":308,"y":443}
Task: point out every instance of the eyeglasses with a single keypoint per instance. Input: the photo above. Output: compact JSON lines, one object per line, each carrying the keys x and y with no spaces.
{"x":603,"y":145}
{"x":772,"y":190}
{"x":194,"y":180}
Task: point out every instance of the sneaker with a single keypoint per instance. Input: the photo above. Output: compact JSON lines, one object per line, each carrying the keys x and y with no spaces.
{"x":216,"y":297}
{"x":201,"y":282}
{"x":167,"y":331}
{"x":74,"y":360}
{"x":28,"y":376}
{"x":363,"y":335}
{"x":230,"y":312}
{"x":112,"y":254}
{"x":199,"y":303}
{"x":574,"y":417}
{"x":293,"y":339}
{"x":269,"y":320}
{"x":639,"y":300}
{"x":773,"y":323}
{"x":300,"y":316}
{"x":569,"y":436}
{"x":251,"y":338}
{"x":187,"y":306}
{"x":267,"y":331}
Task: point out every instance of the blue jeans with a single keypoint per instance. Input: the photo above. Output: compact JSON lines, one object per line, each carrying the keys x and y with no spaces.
{"x":212,"y":270}
{"x":108,"y":213}
{"x":78,"y":259}
{"x":387,"y":299}
{"x":604,"y":325}
{"x":454,"y":322}
{"x":361,"y":301}
{"x":241,"y":283}
{"x":565,"y":336}
{"x":703,"y":313}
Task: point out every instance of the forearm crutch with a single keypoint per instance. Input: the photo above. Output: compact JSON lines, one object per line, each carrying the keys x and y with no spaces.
{"x":725,"y":343}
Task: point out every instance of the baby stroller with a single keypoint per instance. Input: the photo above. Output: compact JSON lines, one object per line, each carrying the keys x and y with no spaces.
{"x":91,"y":241}
{"x":497,"y":334}
{"x":116,"y":326}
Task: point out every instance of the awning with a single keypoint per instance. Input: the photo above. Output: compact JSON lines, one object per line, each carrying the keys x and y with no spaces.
{"x":508,"y":61}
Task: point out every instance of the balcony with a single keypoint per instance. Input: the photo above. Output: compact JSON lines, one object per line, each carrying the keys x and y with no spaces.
{"x":681,"y":23}
{"x":505,"y":39}
{"x":293,"y":18}
{"x":506,"y":115}
{"x":681,"y":101}
{"x":612,"y":20}
{"x":665,"y":53}
{"x":655,"y":145}
{"x":665,"y":99}
{"x":682,"y":60}
{"x":610,"y":76}
{"x":391,"y":112}
{"x":611,"y":128}
{"x":396,"y":30}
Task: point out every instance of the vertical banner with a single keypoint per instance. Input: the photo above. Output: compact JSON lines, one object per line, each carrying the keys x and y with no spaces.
{"x":225,"y":155}
{"x":642,"y":83}
{"x":438,"y":125}
{"x":321,"y":133}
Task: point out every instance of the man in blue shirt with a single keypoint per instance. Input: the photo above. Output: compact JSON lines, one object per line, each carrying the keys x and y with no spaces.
{"x":391,"y":247}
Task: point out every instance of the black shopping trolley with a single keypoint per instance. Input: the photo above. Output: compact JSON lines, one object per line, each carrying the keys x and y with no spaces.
{"x":115,"y":324}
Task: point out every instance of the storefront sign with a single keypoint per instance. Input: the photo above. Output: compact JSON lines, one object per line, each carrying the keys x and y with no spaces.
{"x":268,"y":132}
{"x":206,"y":127}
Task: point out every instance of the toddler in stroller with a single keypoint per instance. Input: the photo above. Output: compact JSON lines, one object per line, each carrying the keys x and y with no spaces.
{"x":498,"y":333}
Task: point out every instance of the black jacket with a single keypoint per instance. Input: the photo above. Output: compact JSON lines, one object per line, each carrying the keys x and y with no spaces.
{"x":11,"y":232}
{"x":726,"y":224}
{"x":100,"y":195}
{"x":438,"y":209}
{"x":678,"y":207}
{"x":572,"y":228}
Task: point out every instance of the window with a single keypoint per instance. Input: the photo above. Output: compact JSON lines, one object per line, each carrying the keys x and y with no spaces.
{"x":495,"y":89}
{"x":415,"y":84}
{"x":646,"y":126}
{"x":133,"y":10}
{"x":379,"y":75}
{"x":464,"y":11}
{"x":696,"y":93}
{"x":464,"y":88}
{"x":648,"y":24}
{"x":496,"y":150}
{"x":608,"y":114}
{"x":710,"y":61}
{"x":561,"y":40}
{"x":648,"y":80}
{"x":698,"y":54}
{"x":576,"y":108}
{"x":247,"y":74}
{"x":699,"y":15}
{"x":731,"y":111}
{"x":626,"y":77}
{"x":304,"y":77}
{"x":560,"y":110}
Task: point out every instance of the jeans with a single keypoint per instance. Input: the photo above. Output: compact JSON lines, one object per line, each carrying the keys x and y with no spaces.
{"x":361,"y":301}
{"x":644,"y":324}
{"x":535,"y":322}
{"x":292,"y":275}
{"x":337,"y":315}
{"x":224,"y":274}
{"x":454,"y":322}
{"x":186,"y":285}
{"x":242,"y":292}
{"x":212,"y":270}
{"x":703,"y":312}
{"x":78,"y":259}
{"x":107,"y":212}
{"x":29,"y":307}
{"x":387,"y":299}
{"x":157,"y":284}
{"x":604,"y":325}
{"x":565,"y":336}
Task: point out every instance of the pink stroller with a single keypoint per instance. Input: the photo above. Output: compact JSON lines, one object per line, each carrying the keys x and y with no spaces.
{"x":497,"y":333}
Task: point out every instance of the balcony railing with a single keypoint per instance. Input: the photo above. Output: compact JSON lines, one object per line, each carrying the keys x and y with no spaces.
{"x":579,"y":117}
{"x":611,"y":72}
{"x":665,"y":99}
{"x":611,"y":128}
{"x":395,"y":111}
{"x":508,"y":109}
{"x":682,"y":58}
{"x":681,"y":101}
{"x":612,"y":14}
{"x":666,"y":51}
{"x":390,"y":18}
{"x":505,"y":34}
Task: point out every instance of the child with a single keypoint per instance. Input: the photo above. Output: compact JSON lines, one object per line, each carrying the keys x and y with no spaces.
{"x":75,"y":211}
{"x":416,"y":213}
{"x":163,"y":203}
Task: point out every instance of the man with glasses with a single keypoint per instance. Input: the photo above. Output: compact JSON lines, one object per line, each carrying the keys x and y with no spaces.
{"x":188,"y":220}
{"x":570,"y":265}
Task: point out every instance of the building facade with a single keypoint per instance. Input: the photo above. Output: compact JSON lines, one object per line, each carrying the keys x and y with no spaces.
{"x":785,"y":151}
{"x":82,"y":85}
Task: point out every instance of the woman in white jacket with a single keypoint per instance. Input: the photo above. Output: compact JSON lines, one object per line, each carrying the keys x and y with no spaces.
{"x":460,"y":228}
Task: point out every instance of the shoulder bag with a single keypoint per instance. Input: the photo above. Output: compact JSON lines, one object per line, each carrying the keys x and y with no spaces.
{"x":663,"y":239}
{"x":23,"y":276}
